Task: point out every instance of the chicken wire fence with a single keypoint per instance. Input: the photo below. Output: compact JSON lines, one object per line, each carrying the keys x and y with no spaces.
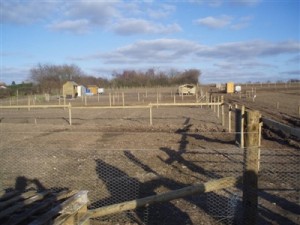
{"x":114,"y":176}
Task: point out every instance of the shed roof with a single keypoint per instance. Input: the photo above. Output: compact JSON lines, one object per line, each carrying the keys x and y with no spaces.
{"x":71,"y":82}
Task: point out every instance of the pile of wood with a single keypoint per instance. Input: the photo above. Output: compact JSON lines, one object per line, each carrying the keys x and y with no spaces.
{"x":46,"y":207}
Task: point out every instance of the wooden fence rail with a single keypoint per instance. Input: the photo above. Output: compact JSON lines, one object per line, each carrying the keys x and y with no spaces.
{"x":209,"y":186}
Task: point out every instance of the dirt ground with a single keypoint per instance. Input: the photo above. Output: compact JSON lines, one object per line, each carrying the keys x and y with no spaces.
{"x":117,"y":156}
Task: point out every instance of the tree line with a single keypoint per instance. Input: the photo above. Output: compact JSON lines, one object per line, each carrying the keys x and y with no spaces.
{"x":49,"y":78}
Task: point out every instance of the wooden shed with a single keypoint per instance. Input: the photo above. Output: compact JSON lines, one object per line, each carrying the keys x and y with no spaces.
{"x":187,"y":89}
{"x":230,"y":87}
{"x":70,"y":89}
{"x":93,"y":89}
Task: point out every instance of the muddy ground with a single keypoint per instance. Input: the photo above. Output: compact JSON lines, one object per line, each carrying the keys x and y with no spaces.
{"x":117,"y":156}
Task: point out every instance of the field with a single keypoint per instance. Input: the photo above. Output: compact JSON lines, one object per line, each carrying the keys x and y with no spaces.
{"x":116,"y":155}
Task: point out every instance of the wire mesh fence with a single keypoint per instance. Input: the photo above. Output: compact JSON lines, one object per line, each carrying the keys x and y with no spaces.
{"x":112,"y":175}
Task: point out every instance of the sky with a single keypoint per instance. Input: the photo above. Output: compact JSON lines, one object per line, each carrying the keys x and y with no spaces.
{"x":227,"y":40}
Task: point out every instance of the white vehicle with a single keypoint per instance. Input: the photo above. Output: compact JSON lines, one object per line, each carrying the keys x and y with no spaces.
{"x":101,"y":91}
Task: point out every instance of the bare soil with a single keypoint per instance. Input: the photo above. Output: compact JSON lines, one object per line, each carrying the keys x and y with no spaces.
{"x":117,"y":156}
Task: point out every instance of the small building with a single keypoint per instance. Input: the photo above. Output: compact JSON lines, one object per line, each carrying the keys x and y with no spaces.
{"x":187,"y":89}
{"x":101,"y":91}
{"x":93,"y":89}
{"x":230,"y":87}
{"x":81,"y":90}
{"x":70,"y":89}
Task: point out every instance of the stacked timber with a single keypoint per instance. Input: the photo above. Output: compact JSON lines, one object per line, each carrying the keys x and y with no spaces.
{"x":46,"y":207}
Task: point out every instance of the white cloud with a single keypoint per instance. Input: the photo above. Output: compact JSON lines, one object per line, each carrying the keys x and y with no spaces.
{"x":248,"y":49}
{"x":162,"y":12}
{"x":97,"y":12}
{"x":178,"y":50}
{"x":74,"y":26}
{"x":215,"y":22}
{"x":26,"y":12}
{"x":140,"y":26}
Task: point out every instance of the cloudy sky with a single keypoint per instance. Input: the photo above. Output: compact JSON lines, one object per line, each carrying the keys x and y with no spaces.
{"x":239,"y":40}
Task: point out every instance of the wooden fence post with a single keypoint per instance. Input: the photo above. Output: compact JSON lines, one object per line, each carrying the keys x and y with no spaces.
{"x":151,"y":123}
{"x":70,"y":114}
{"x":242,"y":126}
{"x":110,"y":99}
{"x":222,"y":111}
{"x":218,"y":107}
{"x":251,"y":161}
{"x":123,"y":99}
{"x":28,"y":103}
{"x":64,"y":101}
{"x":229,"y":118}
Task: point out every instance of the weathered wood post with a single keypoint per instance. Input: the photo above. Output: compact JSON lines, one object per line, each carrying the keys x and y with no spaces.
{"x":218,"y":107}
{"x":239,"y":126}
{"x":64,"y":101}
{"x":229,"y":118}
{"x":150,"y":107}
{"x":251,"y":161}
{"x":17,"y":96}
{"x":70,"y":113}
{"x":28,"y":103}
{"x":214,"y":101}
{"x":110,"y":99}
{"x":123,"y":99}
{"x":138,"y":96}
{"x":222,"y":110}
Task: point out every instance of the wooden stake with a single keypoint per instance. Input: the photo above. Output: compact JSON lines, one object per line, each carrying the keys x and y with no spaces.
{"x":123,"y":99}
{"x":242,"y":126}
{"x":28,"y":103}
{"x":110,"y":99}
{"x":218,"y":107}
{"x":251,"y":159}
{"x":70,"y":113}
{"x":151,"y":123}
{"x":222,"y":108}
{"x":229,"y":118}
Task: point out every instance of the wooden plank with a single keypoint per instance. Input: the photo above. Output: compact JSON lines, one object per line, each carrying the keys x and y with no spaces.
{"x":17,"y":198}
{"x":289,"y":131}
{"x":43,"y":205}
{"x":32,"y":106}
{"x":19,"y":205}
{"x":67,"y":206}
{"x":168,"y":196}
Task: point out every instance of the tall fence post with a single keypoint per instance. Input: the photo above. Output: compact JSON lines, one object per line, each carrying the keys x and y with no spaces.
{"x":239,"y":125}
{"x":251,"y":161}
{"x":70,"y":113}
{"x":222,"y":111}
{"x":151,"y":123}
{"x":123,"y":99}
{"x":110,"y":99}
{"x":229,"y":118}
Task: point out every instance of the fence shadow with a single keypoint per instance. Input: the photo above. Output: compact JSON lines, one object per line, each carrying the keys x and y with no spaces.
{"x":121,"y":187}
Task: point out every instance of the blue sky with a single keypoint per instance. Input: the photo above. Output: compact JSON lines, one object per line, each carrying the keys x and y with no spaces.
{"x":238,"y":40}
